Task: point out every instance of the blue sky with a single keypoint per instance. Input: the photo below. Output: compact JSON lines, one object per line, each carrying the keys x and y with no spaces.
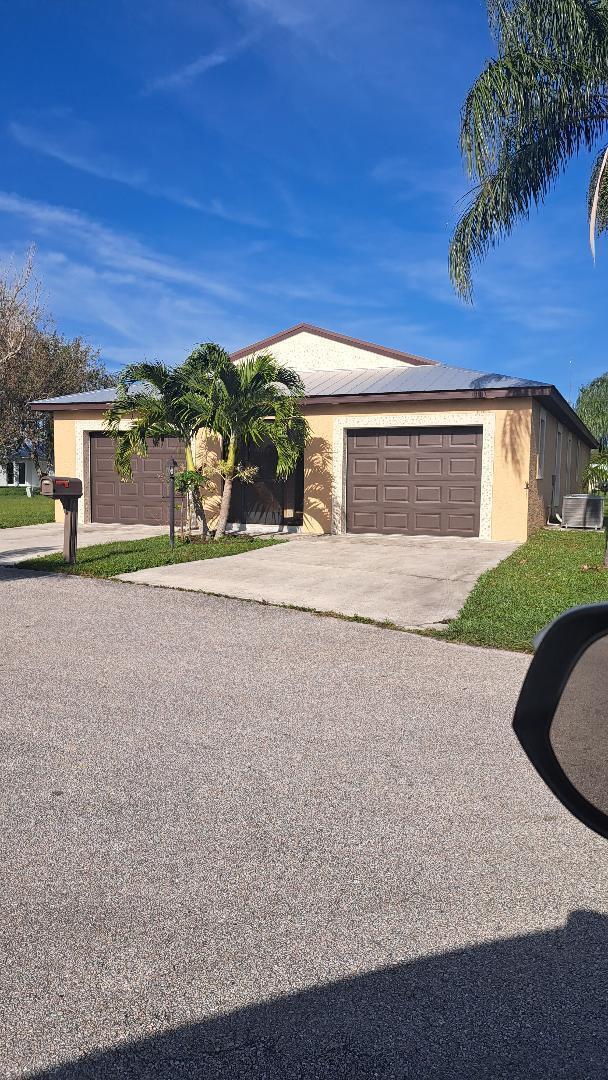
{"x":196,"y":171}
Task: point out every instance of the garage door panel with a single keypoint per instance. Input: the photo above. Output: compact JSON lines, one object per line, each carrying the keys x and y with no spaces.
{"x":143,"y":500}
{"x":461,"y":494}
{"x":459,"y":524}
{"x":366,"y":522}
{"x":426,"y":466}
{"x":365,"y":493}
{"x":428,"y":494}
{"x":444,"y":496}
{"x":128,"y":513}
{"x":428,"y":523}
{"x":396,"y":466}
{"x":396,"y":494}
{"x":464,"y":466}
{"x":366,"y":467}
{"x":462,"y":438}
{"x":395,"y":522}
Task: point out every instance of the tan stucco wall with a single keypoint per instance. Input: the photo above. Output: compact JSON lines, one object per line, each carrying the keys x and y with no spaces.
{"x":519,"y":500}
{"x":65,"y":445}
{"x":570,"y":478}
{"x":309,"y":352}
{"x":511,"y":470}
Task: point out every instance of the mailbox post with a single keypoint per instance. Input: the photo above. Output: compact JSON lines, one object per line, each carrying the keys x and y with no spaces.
{"x":69,"y":490}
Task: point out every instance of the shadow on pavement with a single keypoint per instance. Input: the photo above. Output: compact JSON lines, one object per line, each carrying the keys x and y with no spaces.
{"x":523,"y":1007}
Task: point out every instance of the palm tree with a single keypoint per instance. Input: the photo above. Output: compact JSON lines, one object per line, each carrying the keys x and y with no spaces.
{"x":539,"y":103}
{"x":252,"y":402}
{"x":152,"y":397}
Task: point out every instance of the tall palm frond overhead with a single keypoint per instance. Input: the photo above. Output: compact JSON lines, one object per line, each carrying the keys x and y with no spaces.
{"x":538,"y":104}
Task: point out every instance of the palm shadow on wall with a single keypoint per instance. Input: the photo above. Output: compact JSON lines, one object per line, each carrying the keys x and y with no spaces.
{"x":521,"y":1008}
{"x":317,"y":482}
{"x":514,"y":431}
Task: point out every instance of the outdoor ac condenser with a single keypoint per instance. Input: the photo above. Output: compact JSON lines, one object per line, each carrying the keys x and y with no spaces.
{"x":583,"y":512}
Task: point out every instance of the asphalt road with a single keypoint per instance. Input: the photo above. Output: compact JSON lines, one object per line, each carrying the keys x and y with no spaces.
{"x":246,"y":842}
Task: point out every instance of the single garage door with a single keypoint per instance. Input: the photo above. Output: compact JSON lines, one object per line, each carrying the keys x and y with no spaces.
{"x":419,"y":481}
{"x":145,"y":501}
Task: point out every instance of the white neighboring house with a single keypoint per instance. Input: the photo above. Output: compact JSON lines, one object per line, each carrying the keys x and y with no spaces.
{"x":19,"y":472}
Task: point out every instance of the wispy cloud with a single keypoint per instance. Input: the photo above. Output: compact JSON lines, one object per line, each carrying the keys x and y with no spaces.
{"x":42,"y":142}
{"x":410,"y":181}
{"x":74,"y":150}
{"x":183,"y":76}
{"x":113,"y":249}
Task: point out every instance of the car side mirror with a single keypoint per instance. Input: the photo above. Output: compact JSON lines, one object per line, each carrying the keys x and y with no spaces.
{"x":561,"y":718}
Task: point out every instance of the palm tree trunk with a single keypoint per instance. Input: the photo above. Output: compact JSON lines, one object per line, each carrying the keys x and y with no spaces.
{"x":222,"y":520}
{"x":197,"y":501}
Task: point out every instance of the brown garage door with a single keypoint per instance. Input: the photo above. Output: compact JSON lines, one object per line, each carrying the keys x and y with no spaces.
{"x":144,"y":501}
{"x":420,"y":481}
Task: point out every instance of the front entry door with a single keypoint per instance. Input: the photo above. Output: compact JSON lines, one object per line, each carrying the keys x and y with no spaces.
{"x":259,"y":503}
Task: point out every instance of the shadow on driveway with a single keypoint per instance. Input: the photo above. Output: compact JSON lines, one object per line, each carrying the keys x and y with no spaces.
{"x":521,"y":1008}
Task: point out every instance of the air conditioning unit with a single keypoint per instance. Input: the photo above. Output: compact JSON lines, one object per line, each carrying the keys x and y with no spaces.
{"x":583,"y":512}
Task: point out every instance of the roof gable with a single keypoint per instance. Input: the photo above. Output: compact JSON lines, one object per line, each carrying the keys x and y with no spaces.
{"x":316,"y":349}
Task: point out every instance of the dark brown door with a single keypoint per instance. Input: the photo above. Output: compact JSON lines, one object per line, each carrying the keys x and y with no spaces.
{"x":419,"y":481}
{"x":145,"y":501}
{"x":261,"y":502}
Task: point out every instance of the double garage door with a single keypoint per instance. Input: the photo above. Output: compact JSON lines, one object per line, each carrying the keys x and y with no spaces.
{"x":418,"y":481}
{"x":145,"y":501}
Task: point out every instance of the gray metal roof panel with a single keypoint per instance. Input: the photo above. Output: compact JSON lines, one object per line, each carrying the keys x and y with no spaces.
{"x":405,"y":380}
{"x":331,"y":383}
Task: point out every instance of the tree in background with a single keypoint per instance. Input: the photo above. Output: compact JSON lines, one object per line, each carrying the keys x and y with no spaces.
{"x":592,"y":407}
{"x":36,"y":362}
{"x":254,"y":401}
{"x":539,"y":103}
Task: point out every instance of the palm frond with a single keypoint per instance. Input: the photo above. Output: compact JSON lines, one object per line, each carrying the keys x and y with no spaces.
{"x":537,"y":105}
{"x":598,"y":198}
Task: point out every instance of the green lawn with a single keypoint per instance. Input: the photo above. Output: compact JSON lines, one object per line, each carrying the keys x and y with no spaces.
{"x":553,"y":571}
{"x":124,"y":556}
{"x":17,"y":509}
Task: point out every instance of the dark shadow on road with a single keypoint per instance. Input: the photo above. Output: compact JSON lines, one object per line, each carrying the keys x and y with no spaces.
{"x":521,"y":1008}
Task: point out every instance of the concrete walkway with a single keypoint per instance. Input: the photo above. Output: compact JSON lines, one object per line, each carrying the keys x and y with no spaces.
{"x":29,"y":541}
{"x":406,"y":580}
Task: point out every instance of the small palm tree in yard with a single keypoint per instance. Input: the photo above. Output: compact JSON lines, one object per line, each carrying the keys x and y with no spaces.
{"x":255,"y":401}
{"x":152,"y":397}
{"x":539,"y":103}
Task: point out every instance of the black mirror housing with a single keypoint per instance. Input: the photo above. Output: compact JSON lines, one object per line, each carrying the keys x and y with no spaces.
{"x":559,"y":648}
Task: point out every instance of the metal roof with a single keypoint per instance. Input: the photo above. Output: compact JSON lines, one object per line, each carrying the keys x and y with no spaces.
{"x":421,"y":379}
{"x":91,"y":397}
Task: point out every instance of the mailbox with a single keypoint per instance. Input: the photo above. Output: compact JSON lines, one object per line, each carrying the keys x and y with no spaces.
{"x":69,"y":490}
{"x":61,"y":487}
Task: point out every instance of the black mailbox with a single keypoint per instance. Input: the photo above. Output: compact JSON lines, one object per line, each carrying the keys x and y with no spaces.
{"x":61,"y":487}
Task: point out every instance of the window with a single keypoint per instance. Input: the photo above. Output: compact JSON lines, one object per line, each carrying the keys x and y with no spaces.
{"x":540,"y":453}
{"x":10,"y":472}
{"x":569,"y":464}
{"x":577,"y":466}
{"x":557,"y":486}
{"x":21,"y":472}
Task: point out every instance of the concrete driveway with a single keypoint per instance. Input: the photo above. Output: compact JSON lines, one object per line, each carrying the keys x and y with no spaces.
{"x":241,"y":842}
{"x":409,"y":581}
{"x":28,"y":541}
